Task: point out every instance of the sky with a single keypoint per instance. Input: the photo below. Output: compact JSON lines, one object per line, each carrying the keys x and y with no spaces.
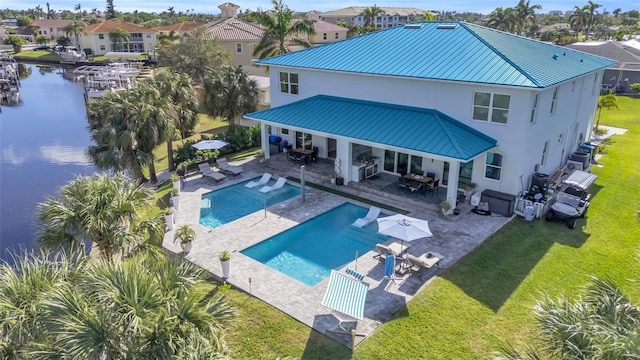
{"x":211,"y":7}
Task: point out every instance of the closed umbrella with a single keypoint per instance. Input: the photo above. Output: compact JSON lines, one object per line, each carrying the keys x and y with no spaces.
{"x":404,"y":227}
{"x":214,"y":144}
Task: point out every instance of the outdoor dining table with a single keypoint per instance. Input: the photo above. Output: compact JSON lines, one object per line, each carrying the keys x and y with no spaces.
{"x":419,"y":178}
{"x":301,"y":154}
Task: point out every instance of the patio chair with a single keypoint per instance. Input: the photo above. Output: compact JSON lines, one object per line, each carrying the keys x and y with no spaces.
{"x":371,"y":216}
{"x":276,"y":186}
{"x":432,"y":187}
{"x":383,"y":250}
{"x":403,"y":183}
{"x":231,"y":169}
{"x":263,"y":180}
{"x":425,"y":261}
{"x":208,"y":172}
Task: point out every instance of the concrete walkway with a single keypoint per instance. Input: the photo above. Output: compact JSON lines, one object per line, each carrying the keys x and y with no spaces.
{"x":454,"y":237}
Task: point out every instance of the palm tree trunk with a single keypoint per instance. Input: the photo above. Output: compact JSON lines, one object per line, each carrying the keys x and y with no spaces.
{"x":598,"y":121}
{"x":152,"y":172}
{"x":135,"y":171}
{"x":170,"y":154}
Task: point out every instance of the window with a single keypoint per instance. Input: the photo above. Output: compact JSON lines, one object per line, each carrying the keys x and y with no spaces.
{"x":101,"y":36}
{"x":289,"y":83}
{"x":284,"y":131}
{"x":545,"y":150}
{"x":554,"y":100}
{"x":534,"y":106}
{"x":573,"y":86}
{"x":148,"y":36}
{"x":102,"y":47}
{"x":491,"y":107}
{"x":238,"y":48}
{"x":324,"y":36}
{"x":493,"y":166}
{"x":595,"y":85}
{"x":337,"y":36}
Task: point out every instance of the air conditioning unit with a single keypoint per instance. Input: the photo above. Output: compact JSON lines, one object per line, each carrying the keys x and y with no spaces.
{"x":574,"y":165}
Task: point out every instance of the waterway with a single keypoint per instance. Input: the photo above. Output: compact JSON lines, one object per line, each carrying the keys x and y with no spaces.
{"x":43,"y":143}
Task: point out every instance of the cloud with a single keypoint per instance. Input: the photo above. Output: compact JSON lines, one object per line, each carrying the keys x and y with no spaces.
{"x":58,"y":154}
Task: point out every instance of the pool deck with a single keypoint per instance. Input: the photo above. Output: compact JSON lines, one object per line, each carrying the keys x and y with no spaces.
{"x":454,"y":237}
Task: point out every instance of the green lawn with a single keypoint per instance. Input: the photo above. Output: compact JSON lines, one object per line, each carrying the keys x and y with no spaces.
{"x":486,"y":299}
{"x":38,"y":55}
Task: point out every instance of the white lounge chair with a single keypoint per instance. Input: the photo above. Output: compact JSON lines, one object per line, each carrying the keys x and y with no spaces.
{"x":263,"y":180}
{"x":276,"y":186}
{"x":208,"y":172}
{"x":372,"y":215}
{"x":231,"y":169}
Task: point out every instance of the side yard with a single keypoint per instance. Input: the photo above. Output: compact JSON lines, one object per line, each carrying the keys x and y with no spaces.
{"x":486,"y":299}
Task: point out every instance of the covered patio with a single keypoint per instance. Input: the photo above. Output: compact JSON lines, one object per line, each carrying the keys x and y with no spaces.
{"x":367,"y":141}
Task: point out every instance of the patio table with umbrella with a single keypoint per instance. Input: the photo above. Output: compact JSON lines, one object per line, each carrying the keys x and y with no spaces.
{"x":214,"y":144}
{"x":404,"y":228}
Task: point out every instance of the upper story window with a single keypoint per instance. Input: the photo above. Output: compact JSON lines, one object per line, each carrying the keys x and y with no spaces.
{"x":545,"y":150}
{"x":101,"y":36}
{"x":534,"y":107}
{"x":493,"y":165}
{"x":337,"y":36}
{"x":238,"y":48}
{"x":324,"y":36}
{"x":289,"y":83}
{"x":554,"y":100}
{"x":148,"y":36}
{"x":491,"y":107}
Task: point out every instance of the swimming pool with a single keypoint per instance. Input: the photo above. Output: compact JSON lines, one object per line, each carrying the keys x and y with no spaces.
{"x":233,"y":202}
{"x":309,"y":251}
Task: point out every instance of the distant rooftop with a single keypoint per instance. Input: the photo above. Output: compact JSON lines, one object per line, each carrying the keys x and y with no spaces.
{"x":452,"y":51}
{"x":358,"y":10}
{"x":234,"y":29}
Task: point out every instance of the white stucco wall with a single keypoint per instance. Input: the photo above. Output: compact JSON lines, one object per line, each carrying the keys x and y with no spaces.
{"x":519,"y":141}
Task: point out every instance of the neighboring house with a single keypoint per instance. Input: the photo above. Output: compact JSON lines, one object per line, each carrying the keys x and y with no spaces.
{"x":51,"y":28}
{"x":97,"y":38}
{"x":625,"y":72}
{"x":180,"y":29}
{"x":555,"y":27}
{"x":469,"y":103}
{"x":390,"y":17}
{"x":327,"y":32}
{"x":238,"y":37}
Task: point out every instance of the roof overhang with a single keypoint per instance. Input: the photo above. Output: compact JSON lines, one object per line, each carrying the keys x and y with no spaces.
{"x":389,"y":126}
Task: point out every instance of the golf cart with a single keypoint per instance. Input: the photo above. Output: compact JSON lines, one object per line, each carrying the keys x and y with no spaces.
{"x":572,"y":201}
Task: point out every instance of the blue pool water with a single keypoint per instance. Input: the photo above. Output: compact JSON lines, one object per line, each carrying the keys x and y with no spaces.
{"x":309,"y":251}
{"x":233,"y":202}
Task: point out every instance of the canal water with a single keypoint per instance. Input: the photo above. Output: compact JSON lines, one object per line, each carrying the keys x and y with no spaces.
{"x":43,"y":143}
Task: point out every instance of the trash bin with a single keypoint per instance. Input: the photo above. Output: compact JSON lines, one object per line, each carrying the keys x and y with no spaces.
{"x":529,"y":212}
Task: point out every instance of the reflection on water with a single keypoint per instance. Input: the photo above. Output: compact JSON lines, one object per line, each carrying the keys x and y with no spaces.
{"x":43,"y":143}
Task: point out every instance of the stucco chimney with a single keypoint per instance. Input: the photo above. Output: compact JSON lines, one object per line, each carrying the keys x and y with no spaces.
{"x":229,"y":10}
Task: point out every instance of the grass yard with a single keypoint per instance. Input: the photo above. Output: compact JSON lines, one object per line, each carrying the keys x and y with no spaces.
{"x":38,"y":55}
{"x":486,"y":300}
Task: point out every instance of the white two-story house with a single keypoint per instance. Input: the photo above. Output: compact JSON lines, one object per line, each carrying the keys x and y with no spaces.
{"x":468,"y":103}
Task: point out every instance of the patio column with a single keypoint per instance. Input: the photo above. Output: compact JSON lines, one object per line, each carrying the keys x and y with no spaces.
{"x":452,"y":183}
{"x":343,"y":152}
{"x":264,"y":140}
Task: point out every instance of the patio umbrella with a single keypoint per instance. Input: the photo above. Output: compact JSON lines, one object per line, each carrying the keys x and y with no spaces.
{"x":404,"y":227}
{"x":210,"y":144}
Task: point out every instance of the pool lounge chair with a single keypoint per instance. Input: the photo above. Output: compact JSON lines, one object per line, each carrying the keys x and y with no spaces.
{"x":231,"y":169}
{"x":425,"y":261}
{"x":208,"y":172}
{"x":276,"y":186}
{"x":371,"y":216}
{"x":395,"y":249}
{"x":263,"y":180}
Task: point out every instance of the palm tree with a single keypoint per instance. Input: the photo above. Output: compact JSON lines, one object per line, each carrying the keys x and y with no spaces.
{"x":108,"y":210}
{"x":601,"y":325}
{"x":578,"y":19}
{"x":75,"y":29}
{"x":231,"y":95}
{"x":353,"y":29}
{"x":148,"y":307}
{"x":281,"y":31}
{"x":502,"y":19}
{"x":78,"y":7}
{"x":591,"y":10}
{"x":609,"y":101}
{"x":370,"y":15}
{"x":525,"y":15}
{"x":616,"y":12}
{"x":117,"y":37}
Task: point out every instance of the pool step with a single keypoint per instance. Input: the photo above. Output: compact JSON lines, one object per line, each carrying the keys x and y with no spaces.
{"x":362,"y":235}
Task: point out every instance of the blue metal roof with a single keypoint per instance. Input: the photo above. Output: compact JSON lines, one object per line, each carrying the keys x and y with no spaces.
{"x":452,"y":51}
{"x":418,"y":129}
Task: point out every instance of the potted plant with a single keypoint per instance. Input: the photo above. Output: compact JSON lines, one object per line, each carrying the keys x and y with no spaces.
{"x":168,"y":218}
{"x":175,"y":198}
{"x":332,"y":178}
{"x":181,"y":169}
{"x":468,"y":189}
{"x":185,"y":235}
{"x":225,"y":259}
{"x":260,"y":156}
{"x":175,"y":179}
{"x":446,"y":207}
{"x":339,"y":178}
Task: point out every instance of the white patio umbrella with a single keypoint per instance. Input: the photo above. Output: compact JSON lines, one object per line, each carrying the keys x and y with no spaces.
{"x":404,"y":228}
{"x":214,"y":144}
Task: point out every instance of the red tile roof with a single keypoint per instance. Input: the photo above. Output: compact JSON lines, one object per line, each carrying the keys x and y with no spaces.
{"x":111,"y":25}
{"x":234,"y":29}
{"x":178,"y":27}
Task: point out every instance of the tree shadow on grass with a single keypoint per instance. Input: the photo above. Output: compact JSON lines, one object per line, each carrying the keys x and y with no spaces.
{"x":494,"y":270}
{"x":333,"y":345}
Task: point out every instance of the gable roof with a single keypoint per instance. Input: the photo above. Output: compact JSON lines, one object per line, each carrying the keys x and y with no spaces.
{"x":178,"y":27}
{"x":418,"y":129}
{"x":453,"y":51}
{"x":321,"y":26}
{"x":50,"y":23}
{"x":612,"y":49}
{"x":234,"y":29}
{"x":111,"y":25}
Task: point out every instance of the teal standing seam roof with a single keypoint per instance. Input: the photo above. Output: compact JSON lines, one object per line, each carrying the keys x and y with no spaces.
{"x":459,"y":52}
{"x":417,"y":129}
